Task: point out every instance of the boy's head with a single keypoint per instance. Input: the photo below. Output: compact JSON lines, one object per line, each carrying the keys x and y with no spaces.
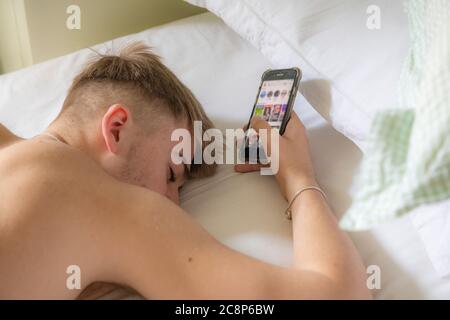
{"x":125,"y":109}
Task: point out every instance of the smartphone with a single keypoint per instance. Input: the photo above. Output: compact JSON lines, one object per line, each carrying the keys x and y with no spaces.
{"x":274,"y":103}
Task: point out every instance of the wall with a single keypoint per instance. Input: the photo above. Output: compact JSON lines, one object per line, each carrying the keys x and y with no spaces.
{"x":101,"y":20}
{"x":14,"y":41}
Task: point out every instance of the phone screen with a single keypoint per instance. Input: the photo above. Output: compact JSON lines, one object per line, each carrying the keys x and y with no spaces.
{"x":273,"y":105}
{"x":272,"y":102}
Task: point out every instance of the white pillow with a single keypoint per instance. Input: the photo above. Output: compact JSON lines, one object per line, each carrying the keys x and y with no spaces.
{"x":350,"y":71}
{"x":433,"y":225}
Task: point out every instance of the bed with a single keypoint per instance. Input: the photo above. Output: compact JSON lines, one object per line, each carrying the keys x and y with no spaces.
{"x":242,"y":211}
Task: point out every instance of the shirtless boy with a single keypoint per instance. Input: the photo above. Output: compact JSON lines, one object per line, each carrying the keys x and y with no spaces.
{"x":98,"y":189}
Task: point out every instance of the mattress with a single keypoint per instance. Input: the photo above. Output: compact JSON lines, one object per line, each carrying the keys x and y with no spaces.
{"x":242,"y":211}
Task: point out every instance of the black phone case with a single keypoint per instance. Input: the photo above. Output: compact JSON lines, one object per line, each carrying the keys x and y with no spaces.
{"x":245,"y":153}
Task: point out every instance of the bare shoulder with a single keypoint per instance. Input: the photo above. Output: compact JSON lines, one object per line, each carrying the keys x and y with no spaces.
{"x":54,"y":206}
{"x":42,"y":174}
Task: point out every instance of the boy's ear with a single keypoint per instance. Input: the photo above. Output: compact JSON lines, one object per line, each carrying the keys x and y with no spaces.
{"x":114,"y":123}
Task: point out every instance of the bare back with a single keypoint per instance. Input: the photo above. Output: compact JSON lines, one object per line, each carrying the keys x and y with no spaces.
{"x":42,"y":217}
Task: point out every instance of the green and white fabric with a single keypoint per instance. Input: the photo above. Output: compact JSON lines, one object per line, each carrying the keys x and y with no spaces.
{"x":407,"y":162}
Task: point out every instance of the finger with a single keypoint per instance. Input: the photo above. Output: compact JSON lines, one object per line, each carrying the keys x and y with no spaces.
{"x":295,"y":118}
{"x":244,"y":168}
{"x":294,"y":126}
{"x":259,"y":125}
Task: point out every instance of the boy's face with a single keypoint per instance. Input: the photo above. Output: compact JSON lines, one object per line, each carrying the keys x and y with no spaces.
{"x":142,"y":159}
{"x":150,"y":165}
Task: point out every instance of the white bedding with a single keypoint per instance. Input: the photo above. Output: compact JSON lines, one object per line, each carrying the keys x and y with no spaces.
{"x":349,"y":69}
{"x":243,"y":211}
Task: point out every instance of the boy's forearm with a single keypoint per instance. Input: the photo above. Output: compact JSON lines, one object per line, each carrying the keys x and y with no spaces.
{"x":320,"y":245}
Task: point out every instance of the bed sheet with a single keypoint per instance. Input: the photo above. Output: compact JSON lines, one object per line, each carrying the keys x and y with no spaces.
{"x":242,"y":211}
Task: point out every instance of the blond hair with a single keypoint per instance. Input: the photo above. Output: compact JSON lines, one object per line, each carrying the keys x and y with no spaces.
{"x":137,"y":78}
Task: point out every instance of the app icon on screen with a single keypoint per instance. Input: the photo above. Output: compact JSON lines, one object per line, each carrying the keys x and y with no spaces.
{"x":259,"y":111}
{"x":283,"y":112}
{"x":276,"y":112}
{"x":267,"y":111}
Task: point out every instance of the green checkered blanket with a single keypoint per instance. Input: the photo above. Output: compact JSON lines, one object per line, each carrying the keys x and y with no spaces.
{"x":407,"y":162}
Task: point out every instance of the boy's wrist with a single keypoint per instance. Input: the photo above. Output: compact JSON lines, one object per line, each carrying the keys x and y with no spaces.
{"x":296,"y":182}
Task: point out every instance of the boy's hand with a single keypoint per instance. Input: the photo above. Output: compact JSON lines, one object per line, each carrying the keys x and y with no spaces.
{"x":296,"y":169}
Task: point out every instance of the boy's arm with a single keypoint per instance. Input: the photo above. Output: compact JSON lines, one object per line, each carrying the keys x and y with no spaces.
{"x":156,"y":248}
